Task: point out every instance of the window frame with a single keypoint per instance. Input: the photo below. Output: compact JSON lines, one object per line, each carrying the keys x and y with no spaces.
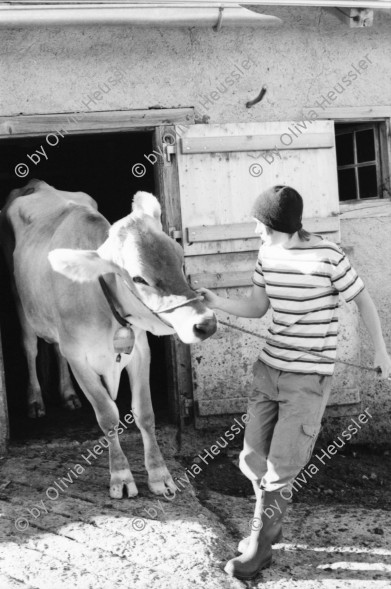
{"x":353,"y":128}
{"x":364,"y":114}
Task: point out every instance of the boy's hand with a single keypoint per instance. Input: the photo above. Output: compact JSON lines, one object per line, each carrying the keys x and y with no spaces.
{"x":383,"y":361}
{"x":210,"y":298}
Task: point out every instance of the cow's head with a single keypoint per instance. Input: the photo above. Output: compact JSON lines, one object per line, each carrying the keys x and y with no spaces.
{"x":150,"y":262}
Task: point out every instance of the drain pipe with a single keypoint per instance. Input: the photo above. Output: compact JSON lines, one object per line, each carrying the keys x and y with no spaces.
{"x":23,"y":15}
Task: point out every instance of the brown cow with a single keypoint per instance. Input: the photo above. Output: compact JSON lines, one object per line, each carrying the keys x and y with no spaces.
{"x":60,"y":300}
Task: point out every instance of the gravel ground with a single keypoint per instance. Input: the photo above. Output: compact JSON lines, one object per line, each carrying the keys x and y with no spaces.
{"x":83,"y":539}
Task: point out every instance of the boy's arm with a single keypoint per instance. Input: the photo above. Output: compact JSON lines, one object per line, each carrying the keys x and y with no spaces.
{"x":254,"y":305}
{"x":371,"y":320}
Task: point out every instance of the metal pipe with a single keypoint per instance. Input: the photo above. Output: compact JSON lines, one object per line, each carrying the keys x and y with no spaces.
{"x":174,"y":16}
{"x":376,"y":4}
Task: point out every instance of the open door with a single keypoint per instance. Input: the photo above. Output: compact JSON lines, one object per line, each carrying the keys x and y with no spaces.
{"x":178,"y":359}
{"x":222,"y":169}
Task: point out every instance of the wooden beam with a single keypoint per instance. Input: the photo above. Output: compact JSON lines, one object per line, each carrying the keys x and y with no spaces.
{"x":353,"y":17}
{"x":246,"y":230}
{"x":376,"y":207}
{"x":350,"y":113}
{"x":93,"y":122}
{"x":178,"y":358}
{"x":256,"y":142}
{"x":221,"y":279}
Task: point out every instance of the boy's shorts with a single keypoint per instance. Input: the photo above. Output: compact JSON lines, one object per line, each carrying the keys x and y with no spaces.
{"x":285,"y":410}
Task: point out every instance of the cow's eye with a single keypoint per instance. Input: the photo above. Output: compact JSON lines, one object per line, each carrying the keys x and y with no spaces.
{"x":140,"y":280}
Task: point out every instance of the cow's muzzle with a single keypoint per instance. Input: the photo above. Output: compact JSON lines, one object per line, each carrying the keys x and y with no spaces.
{"x":205,"y":328}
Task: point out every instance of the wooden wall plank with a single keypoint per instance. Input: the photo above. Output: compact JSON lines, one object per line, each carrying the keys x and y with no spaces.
{"x":219,"y":188}
{"x":246,"y":230}
{"x":221,"y":279}
{"x":207,"y":248}
{"x":256,"y":142}
{"x":365,"y":209}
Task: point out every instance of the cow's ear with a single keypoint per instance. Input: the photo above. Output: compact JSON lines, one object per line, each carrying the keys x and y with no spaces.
{"x":148,"y":204}
{"x":80,"y":265}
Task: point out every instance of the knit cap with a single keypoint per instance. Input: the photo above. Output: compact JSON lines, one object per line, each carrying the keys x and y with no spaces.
{"x":280,"y":208}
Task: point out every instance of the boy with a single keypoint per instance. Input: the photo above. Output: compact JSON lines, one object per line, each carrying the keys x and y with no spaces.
{"x":301,"y":276}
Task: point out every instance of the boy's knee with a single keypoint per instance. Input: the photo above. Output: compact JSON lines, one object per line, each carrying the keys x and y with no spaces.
{"x":252,"y":465}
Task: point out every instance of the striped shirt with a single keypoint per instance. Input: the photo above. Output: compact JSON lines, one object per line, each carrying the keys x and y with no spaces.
{"x":303,"y":285}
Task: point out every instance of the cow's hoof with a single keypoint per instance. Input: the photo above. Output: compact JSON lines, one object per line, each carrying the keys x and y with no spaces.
{"x":123,"y":490}
{"x":36,"y":409}
{"x":122,"y":485}
{"x":72,"y":402}
{"x":163,"y":486}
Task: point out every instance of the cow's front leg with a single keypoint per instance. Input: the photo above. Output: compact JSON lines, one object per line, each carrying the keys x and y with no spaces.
{"x":159,"y":478}
{"x":69,"y":397}
{"x":108,"y":418}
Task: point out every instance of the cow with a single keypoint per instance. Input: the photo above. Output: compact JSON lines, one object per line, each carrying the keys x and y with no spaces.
{"x":77,"y":279}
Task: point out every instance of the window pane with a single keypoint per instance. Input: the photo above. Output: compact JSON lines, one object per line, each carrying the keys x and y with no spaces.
{"x":367,"y":181}
{"x":345,"y":151}
{"x":365,"y":146}
{"x":347,"y":184}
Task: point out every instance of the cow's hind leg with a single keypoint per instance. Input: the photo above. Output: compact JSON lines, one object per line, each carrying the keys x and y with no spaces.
{"x":159,"y":478}
{"x":108,"y":418}
{"x":36,"y":406}
{"x":69,"y":398}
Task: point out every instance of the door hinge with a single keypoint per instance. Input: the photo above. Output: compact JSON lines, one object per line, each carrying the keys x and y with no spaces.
{"x":188,"y":407}
{"x":196,"y":408}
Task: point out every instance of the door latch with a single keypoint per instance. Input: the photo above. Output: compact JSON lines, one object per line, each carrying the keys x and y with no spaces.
{"x":169,"y":150}
{"x":175,"y":233}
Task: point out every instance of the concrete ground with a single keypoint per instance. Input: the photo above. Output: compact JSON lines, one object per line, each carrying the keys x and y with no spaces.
{"x":82,"y":539}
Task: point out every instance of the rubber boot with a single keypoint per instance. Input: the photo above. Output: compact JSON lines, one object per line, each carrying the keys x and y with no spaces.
{"x":243,"y":544}
{"x":269,"y":511}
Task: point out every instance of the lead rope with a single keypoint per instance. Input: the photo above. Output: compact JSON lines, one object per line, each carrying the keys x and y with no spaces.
{"x":300,"y":349}
{"x":122,"y":321}
{"x":171,"y":308}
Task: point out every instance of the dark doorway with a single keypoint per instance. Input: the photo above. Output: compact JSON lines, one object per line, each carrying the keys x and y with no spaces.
{"x":100,"y":165}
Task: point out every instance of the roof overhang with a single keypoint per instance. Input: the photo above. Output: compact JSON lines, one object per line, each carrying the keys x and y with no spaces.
{"x":173,"y":13}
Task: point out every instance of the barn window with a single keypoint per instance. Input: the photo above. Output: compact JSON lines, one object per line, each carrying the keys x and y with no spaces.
{"x":358,"y":161}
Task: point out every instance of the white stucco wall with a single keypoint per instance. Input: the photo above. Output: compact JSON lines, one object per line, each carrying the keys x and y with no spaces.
{"x":55,"y":70}
{"x":370,"y":238}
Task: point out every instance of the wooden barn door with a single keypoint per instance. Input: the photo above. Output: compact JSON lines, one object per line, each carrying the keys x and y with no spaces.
{"x":222,"y":169}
